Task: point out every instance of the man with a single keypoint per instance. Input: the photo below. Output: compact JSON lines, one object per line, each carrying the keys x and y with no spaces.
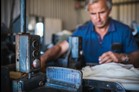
{"x":100,"y":37}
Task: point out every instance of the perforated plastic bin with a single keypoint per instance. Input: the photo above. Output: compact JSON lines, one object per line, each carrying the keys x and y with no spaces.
{"x":64,"y":79}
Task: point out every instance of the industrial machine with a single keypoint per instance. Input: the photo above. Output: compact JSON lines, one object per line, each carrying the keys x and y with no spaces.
{"x":75,"y":58}
{"x":27,"y":58}
{"x":27,"y":61}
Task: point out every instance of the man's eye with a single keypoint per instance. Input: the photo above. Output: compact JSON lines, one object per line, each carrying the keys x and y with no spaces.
{"x":102,"y":12}
{"x":92,"y":13}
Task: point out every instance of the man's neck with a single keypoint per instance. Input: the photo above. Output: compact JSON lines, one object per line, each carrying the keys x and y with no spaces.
{"x":103,"y":30}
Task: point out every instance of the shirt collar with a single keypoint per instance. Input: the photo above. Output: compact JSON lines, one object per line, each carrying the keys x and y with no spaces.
{"x":111,"y":26}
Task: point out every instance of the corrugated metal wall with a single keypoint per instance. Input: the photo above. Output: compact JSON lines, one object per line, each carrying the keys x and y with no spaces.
{"x":126,"y":12}
{"x":64,"y":9}
{"x":57,"y":9}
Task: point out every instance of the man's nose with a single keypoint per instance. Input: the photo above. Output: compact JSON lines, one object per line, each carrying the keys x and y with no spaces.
{"x":98,"y":16}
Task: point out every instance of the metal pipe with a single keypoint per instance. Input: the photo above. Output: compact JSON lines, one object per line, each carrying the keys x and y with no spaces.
{"x":23,"y":16}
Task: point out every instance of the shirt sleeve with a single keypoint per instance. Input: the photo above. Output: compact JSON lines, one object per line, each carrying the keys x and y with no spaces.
{"x":130,"y":44}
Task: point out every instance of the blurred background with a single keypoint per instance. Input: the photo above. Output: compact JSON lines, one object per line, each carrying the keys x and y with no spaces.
{"x":55,"y":20}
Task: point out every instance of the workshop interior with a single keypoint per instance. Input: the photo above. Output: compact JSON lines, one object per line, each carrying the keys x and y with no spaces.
{"x":31,"y":27}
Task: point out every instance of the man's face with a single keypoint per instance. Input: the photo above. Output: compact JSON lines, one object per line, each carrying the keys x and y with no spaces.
{"x":99,"y":13}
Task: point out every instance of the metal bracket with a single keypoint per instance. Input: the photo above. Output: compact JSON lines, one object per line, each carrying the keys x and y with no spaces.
{"x":113,"y":86}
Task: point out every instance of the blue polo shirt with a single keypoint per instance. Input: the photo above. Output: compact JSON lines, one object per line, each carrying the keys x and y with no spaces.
{"x":118,"y":39}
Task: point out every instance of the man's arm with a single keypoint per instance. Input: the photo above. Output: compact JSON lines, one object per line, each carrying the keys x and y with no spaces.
{"x":53,"y":53}
{"x":133,"y":58}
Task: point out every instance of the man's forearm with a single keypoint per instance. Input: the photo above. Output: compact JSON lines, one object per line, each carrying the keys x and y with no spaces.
{"x":134,"y":58}
{"x":51,"y":53}
{"x":54,"y":52}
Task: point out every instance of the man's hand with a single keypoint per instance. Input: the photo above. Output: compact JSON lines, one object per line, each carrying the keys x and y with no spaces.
{"x":110,"y":57}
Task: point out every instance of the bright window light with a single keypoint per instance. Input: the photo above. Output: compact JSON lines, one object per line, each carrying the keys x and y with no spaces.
{"x":39,"y":29}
